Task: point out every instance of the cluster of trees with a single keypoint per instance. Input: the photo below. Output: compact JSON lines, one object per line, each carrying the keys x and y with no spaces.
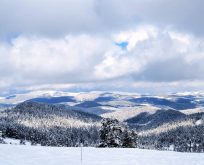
{"x":112,"y":134}
{"x":115,"y":134}
{"x":55,"y":136}
{"x":182,"y":139}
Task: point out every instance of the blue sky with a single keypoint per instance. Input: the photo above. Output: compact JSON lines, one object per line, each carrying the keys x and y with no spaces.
{"x":122,"y":44}
{"x":134,"y":45}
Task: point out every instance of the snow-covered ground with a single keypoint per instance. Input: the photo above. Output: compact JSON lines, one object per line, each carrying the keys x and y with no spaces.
{"x":37,"y":155}
{"x":15,"y":141}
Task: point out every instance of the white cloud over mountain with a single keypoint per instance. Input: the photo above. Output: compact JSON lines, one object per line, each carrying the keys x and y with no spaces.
{"x":72,"y":44}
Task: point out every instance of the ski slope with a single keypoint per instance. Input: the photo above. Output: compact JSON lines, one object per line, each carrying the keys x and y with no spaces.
{"x":37,"y":155}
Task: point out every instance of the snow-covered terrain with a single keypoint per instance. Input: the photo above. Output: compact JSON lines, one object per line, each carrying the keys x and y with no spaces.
{"x":119,"y":105}
{"x":101,"y":102}
{"x":36,"y":155}
{"x":15,"y":141}
{"x":129,"y":112}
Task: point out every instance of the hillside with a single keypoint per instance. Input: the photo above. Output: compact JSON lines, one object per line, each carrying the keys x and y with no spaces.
{"x":160,"y":117}
{"x":49,"y":124}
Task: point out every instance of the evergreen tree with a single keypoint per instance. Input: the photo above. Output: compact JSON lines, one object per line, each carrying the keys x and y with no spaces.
{"x":114,"y":134}
{"x":110,"y":133}
{"x":129,"y":138}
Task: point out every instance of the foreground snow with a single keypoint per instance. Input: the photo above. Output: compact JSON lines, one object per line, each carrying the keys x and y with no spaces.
{"x":36,"y":155}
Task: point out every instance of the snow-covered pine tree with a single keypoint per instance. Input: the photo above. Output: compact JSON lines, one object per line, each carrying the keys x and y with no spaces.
{"x":1,"y":138}
{"x":129,"y":138}
{"x":110,"y":133}
{"x":134,"y":137}
{"x":115,"y":134}
{"x":103,"y":134}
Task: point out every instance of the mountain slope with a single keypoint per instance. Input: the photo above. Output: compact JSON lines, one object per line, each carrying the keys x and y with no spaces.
{"x":49,"y":124}
{"x":160,"y":117}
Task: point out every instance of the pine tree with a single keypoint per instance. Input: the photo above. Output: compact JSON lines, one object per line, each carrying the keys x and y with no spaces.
{"x":129,"y":138}
{"x":1,"y":137}
{"x":103,"y":134}
{"x":110,"y":133}
{"x":114,"y":134}
{"x":134,"y":138}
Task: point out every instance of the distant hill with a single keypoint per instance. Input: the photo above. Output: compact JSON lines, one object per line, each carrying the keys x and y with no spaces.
{"x":88,"y":104}
{"x":53,"y":100}
{"x":104,"y":98}
{"x":178,"y":103}
{"x":147,"y":121}
{"x":46,"y":110}
{"x":4,"y":106}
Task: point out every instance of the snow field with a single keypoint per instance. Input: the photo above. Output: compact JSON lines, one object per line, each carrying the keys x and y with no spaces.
{"x":37,"y":155}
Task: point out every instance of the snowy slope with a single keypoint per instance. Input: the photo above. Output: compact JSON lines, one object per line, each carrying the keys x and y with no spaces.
{"x":18,"y":98}
{"x":129,"y":112}
{"x":193,"y":111}
{"x":36,"y":155}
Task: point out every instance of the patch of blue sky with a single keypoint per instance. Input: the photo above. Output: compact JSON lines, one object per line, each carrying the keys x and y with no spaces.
{"x":122,"y":45}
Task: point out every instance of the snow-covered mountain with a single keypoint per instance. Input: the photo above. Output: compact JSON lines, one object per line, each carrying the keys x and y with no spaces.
{"x":109,"y":102}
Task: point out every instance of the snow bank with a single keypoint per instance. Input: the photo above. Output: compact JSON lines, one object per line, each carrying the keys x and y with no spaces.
{"x":15,"y":141}
{"x":36,"y":155}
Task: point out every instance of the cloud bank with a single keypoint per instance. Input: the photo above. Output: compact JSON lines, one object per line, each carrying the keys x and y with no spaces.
{"x":79,"y":45}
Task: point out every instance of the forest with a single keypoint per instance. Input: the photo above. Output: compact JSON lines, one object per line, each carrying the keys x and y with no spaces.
{"x":55,"y":125}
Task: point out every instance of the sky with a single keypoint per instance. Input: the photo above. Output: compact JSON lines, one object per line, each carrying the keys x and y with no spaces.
{"x":144,"y":46}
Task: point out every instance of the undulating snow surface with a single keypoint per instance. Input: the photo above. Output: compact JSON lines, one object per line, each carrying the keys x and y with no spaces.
{"x":36,"y":155}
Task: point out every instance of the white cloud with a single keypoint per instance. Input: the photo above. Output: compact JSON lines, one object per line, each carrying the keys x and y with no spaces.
{"x":137,"y":35}
{"x":154,"y":55}
{"x":30,"y":60}
{"x":61,"y":17}
{"x":71,"y":44}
